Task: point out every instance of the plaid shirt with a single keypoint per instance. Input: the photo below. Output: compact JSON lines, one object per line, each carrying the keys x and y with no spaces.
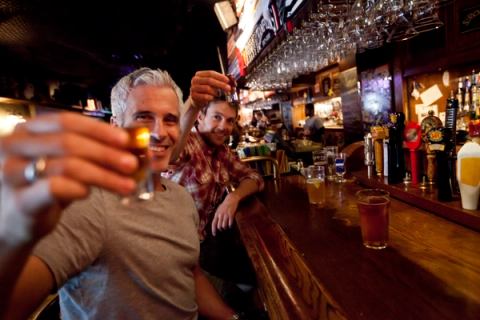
{"x":205,"y":172}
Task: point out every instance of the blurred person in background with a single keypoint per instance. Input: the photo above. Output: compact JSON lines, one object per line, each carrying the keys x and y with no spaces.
{"x":313,"y":128}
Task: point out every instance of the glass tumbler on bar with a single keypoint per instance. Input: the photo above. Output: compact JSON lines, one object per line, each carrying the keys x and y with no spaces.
{"x":138,"y":146}
{"x":315,"y":176}
{"x":331,"y":154}
{"x":319,"y":158}
{"x":373,"y":208}
{"x":340,"y":169}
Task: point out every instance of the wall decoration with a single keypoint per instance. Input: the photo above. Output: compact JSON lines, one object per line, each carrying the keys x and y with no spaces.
{"x":376,"y":95}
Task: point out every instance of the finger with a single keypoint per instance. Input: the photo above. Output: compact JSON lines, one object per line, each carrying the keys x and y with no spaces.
{"x":90,"y":174}
{"x":221,"y":82}
{"x":203,"y":90}
{"x":68,"y":144}
{"x":201,"y":99}
{"x":214,"y":225}
{"x":212,"y":75}
{"x":225,"y":222}
{"x":80,"y":124}
{"x":77,"y":169}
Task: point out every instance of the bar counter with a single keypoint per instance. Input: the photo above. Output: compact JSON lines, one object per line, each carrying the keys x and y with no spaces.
{"x":311,"y":264}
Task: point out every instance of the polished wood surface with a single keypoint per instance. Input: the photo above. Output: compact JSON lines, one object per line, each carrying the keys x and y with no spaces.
{"x":311,"y":264}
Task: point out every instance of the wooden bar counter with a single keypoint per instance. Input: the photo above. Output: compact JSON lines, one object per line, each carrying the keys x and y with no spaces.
{"x":311,"y":264}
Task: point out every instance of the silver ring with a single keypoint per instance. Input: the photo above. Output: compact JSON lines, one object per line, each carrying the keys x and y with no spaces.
{"x":35,"y":169}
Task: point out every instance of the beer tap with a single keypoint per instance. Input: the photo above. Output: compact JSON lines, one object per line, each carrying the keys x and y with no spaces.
{"x":412,"y":137}
{"x":396,"y":161}
{"x":378,"y":134}
{"x":440,"y":140}
{"x":430,"y":122}
{"x":368,"y":151}
{"x":451,"y":112}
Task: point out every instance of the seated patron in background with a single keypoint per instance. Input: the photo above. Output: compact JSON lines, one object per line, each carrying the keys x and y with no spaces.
{"x":206,"y":167}
{"x":262,"y":121}
{"x":313,"y":128}
{"x":237,"y":133}
{"x":108,"y":260}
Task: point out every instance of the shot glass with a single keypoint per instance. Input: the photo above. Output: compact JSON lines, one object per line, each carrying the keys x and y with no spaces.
{"x":374,"y":208}
{"x":340,"y":169}
{"x":315,"y":178}
{"x":138,"y":145}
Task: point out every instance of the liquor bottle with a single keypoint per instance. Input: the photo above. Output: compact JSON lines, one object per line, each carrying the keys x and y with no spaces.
{"x":396,"y":159}
{"x":477,"y":101}
{"x":474,"y":105}
{"x":473,"y":94}
{"x":463,"y":108}
{"x":467,"y":168}
{"x":467,"y":89}
{"x":460,"y":94}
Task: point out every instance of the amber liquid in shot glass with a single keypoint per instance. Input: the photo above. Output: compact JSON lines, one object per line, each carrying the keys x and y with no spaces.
{"x":138,"y":146}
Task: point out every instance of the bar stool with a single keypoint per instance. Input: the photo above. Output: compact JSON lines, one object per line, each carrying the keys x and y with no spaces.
{"x":257,"y":161}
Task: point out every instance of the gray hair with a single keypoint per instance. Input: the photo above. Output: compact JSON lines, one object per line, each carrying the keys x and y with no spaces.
{"x":142,"y":76}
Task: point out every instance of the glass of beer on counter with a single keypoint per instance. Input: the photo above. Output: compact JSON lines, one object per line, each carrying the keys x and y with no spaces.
{"x":373,"y":208}
{"x":138,"y":145}
{"x":315,"y":176}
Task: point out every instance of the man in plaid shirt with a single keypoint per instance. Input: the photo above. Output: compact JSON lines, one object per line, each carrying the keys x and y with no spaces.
{"x":203,"y":164}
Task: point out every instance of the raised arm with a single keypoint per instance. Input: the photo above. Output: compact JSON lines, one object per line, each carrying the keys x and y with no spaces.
{"x":205,"y":86}
{"x":47,"y":163}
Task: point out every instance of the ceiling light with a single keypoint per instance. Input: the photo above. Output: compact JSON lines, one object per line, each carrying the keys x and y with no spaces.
{"x":225,"y":14}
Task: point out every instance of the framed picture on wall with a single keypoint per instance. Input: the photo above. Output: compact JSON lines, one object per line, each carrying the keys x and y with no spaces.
{"x":376,"y":95}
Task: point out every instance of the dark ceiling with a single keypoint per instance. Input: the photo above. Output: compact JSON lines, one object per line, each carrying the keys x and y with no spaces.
{"x":91,"y":43}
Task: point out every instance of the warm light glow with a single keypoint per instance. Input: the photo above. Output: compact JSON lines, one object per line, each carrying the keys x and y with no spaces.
{"x":8,"y":123}
{"x":91,"y":105}
{"x":225,"y":14}
{"x":142,"y":137}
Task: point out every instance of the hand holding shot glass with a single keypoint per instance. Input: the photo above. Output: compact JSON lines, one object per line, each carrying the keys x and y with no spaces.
{"x":138,"y":145}
{"x":374,"y":209}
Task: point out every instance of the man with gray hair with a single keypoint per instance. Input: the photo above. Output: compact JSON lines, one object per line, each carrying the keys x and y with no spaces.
{"x":62,"y":225}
